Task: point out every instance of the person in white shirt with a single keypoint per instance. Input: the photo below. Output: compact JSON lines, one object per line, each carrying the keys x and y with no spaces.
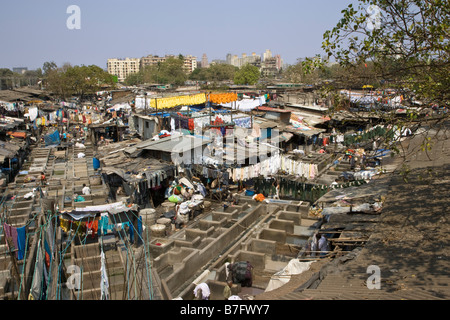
{"x":315,"y":245}
{"x":86,"y":190}
{"x":334,"y":184}
{"x":323,"y":246}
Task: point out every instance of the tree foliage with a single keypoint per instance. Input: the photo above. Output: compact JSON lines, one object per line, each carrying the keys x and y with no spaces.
{"x":10,"y":79}
{"x":406,"y":45}
{"x":170,"y":71}
{"x":215,"y":73}
{"x":49,"y":66}
{"x":78,"y":81}
{"x":407,"y":41}
{"x":247,"y":75}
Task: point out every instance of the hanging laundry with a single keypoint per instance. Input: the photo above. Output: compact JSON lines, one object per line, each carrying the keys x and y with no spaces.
{"x":171,"y":102}
{"x":18,"y":239}
{"x":220,"y":98}
{"x":36,"y":290}
{"x":104,"y":283}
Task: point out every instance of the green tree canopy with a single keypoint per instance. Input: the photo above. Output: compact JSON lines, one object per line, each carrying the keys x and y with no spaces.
{"x":247,"y":75}
{"x":170,"y":71}
{"x":77,"y":80}
{"x":406,"y":44}
{"x":48,"y":67}
{"x":407,"y":41}
{"x":215,"y":73}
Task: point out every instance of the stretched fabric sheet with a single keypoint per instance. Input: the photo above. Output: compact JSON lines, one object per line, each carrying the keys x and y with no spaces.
{"x":171,"y":102}
{"x":245,"y":104}
{"x":220,"y":98}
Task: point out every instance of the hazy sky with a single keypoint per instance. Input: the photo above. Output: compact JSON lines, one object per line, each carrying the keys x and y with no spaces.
{"x":35,"y":31}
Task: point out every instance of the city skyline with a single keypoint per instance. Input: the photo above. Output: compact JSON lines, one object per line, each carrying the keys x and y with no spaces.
{"x":33,"y":32}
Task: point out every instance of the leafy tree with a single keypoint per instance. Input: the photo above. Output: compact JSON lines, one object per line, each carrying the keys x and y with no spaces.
{"x":215,"y":73}
{"x":199,"y":74}
{"x":248,"y":75}
{"x":297,"y":73}
{"x":407,"y":41}
{"x":134,"y":79}
{"x":406,"y":44}
{"x":34,"y":73}
{"x":80,"y":81}
{"x":172,"y":71}
{"x":5,"y":78}
{"x":48,"y":67}
{"x":221,"y":72}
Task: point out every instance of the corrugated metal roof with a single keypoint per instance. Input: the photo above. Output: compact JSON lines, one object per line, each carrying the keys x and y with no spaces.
{"x":178,"y":143}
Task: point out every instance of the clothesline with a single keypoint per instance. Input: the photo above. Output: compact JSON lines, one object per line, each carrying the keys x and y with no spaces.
{"x":272,"y":166}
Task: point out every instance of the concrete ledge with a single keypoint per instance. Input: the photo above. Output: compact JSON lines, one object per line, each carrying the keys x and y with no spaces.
{"x":88,"y":263}
{"x":278,"y":236}
{"x":280,"y":224}
{"x":293,"y":216}
{"x":164,"y":247}
{"x":262,"y":246}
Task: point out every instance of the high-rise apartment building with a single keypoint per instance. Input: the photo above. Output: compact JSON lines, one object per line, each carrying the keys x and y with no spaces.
{"x":152,"y":60}
{"x":229,"y":57}
{"x":123,"y":67}
{"x":253,"y":59}
{"x":279,"y":62}
{"x":267,"y":55}
{"x":189,"y":63}
{"x":205,"y":63}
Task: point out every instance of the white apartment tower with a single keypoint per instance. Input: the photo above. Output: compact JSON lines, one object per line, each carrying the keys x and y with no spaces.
{"x":123,"y":67}
{"x":190,"y":63}
{"x":267,"y":55}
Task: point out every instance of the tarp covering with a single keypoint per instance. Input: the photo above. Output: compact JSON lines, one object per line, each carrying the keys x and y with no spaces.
{"x":52,"y":138}
{"x":282,"y":277}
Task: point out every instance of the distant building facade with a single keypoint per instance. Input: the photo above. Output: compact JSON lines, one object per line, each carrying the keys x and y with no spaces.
{"x":239,"y":62}
{"x":190,"y":62}
{"x":152,"y":60}
{"x":205,"y":63}
{"x":269,"y":64}
{"x":20,"y":70}
{"x":122,"y":68}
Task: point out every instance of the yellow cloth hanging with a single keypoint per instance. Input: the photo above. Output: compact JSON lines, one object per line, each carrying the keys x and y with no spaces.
{"x":171,"y":102}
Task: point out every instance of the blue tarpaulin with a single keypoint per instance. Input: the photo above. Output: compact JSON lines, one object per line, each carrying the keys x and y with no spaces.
{"x":52,"y":138}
